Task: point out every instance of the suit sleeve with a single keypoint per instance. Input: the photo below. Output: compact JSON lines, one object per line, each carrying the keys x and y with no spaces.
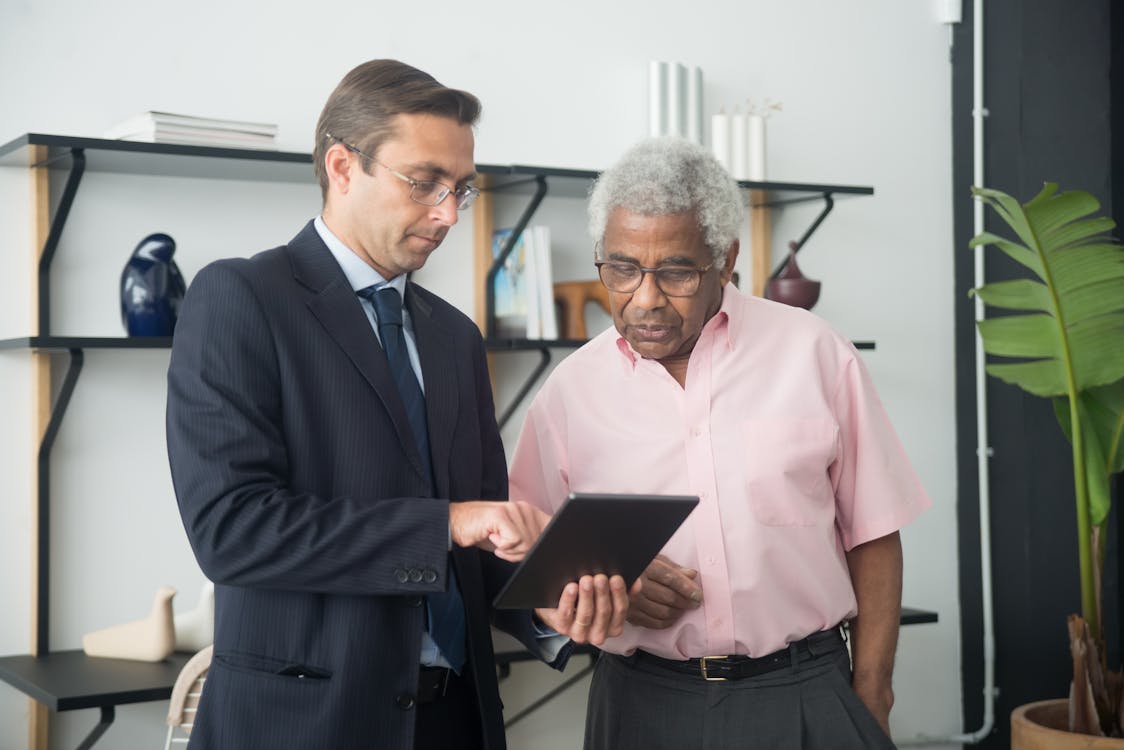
{"x":230,"y":464}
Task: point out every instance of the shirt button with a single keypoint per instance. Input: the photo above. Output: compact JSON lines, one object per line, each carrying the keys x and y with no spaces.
{"x":712,"y":560}
{"x":405,"y":701}
{"x":697,"y":432}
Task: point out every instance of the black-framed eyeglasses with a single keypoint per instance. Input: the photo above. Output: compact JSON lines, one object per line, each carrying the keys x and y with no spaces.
{"x":425,"y":192}
{"x":674,"y":281}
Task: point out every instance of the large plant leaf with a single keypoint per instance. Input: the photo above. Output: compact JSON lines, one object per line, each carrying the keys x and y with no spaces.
{"x":1072,"y":332}
{"x":1100,"y":499}
{"x":1103,"y":407}
{"x":1081,"y":286}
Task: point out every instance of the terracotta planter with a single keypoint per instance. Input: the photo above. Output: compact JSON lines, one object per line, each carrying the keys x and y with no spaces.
{"x":1042,"y":726}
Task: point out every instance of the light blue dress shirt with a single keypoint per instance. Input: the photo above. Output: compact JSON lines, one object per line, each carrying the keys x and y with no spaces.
{"x":360,"y":276}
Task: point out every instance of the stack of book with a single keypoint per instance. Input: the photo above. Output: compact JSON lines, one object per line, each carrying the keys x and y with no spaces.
{"x":524,"y":286}
{"x":164,"y":127}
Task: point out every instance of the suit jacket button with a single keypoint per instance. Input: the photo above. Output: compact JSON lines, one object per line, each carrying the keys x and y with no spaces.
{"x":415,"y":575}
{"x":414,"y":601}
{"x":405,"y":701}
{"x":429,"y":576}
{"x":401,"y":575}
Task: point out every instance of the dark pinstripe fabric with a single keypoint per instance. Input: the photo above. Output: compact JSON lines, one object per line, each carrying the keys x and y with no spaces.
{"x":303,"y":496}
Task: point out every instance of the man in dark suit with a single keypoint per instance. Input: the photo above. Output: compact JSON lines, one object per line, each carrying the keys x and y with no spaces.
{"x":337,"y":462}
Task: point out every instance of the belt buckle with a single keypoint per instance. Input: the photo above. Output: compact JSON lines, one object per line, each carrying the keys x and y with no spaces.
{"x":702,"y":668}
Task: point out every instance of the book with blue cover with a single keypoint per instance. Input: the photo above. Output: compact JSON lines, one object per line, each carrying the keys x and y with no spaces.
{"x":510,"y":288}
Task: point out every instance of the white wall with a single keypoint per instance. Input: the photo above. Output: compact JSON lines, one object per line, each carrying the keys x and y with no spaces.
{"x":866,"y":91}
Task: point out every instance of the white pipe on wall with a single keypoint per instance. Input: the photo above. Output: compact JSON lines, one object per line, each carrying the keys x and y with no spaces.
{"x":983,"y":449}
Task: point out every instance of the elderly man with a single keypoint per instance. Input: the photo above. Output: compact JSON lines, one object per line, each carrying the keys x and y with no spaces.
{"x":770,"y":418}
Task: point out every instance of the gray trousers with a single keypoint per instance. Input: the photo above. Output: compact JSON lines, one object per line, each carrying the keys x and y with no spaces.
{"x":807,"y":706}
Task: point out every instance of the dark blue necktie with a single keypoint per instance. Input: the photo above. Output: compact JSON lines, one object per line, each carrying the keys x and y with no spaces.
{"x":446,"y":609}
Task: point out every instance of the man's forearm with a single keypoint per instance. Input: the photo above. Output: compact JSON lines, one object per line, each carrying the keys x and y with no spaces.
{"x":876,"y":574}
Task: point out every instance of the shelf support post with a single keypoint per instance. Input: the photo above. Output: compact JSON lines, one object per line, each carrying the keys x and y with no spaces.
{"x":107,"y":716}
{"x":761,"y":241}
{"x":829,"y":203}
{"x":77,"y":167}
{"x":38,"y":718}
{"x":43,"y":541}
{"x":528,"y":384}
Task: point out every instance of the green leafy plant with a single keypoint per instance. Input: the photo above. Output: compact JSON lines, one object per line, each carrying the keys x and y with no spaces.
{"x":1066,"y":331}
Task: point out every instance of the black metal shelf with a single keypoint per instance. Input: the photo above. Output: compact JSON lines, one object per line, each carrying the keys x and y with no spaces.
{"x":159,"y":159}
{"x":507,"y":345}
{"x":524,"y":345}
{"x":70,"y":680}
{"x":63,"y":343}
{"x":912,"y":616}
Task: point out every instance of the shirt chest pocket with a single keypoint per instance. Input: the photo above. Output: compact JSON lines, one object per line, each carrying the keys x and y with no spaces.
{"x":786,"y":470}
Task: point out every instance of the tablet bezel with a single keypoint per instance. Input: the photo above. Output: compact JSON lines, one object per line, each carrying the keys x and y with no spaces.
{"x":594,"y":533}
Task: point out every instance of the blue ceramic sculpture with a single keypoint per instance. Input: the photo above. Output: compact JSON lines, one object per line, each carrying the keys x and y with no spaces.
{"x":152,"y":288}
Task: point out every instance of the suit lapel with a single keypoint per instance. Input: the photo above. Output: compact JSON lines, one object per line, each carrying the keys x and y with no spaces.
{"x":338,"y":309}
{"x":438,"y":363}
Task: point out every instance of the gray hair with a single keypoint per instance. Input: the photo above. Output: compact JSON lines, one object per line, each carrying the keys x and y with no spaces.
{"x":670,"y":175}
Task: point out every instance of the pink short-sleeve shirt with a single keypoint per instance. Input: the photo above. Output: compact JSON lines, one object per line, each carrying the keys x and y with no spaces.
{"x":778,"y":431}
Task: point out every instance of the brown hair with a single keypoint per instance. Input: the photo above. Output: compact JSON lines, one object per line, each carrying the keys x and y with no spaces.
{"x":361,"y":109}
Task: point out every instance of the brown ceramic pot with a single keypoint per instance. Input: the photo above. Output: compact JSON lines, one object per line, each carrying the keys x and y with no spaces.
{"x":791,"y":286}
{"x":1042,"y":726}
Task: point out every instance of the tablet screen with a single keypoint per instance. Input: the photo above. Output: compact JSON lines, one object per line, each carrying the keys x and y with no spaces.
{"x":594,"y":533}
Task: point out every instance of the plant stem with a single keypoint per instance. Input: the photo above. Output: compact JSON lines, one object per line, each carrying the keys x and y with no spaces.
{"x":1089,"y":608}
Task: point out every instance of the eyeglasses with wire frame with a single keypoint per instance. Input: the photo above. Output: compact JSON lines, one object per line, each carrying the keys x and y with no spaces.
{"x":674,"y":281}
{"x":425,"y":192}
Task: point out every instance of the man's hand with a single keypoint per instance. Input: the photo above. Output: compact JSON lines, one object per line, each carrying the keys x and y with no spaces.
{"x":662,"y":593}
{"x":590,"y":610}
{"x":506,"y":528}
{"x":877,"y":695}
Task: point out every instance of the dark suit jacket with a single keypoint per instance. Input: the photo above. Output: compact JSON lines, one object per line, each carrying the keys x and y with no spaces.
{"x":303,"y":498}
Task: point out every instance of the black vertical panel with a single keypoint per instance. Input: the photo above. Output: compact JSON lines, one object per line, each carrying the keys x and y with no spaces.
{"x":1046,"y":73}
{"x":1114,"y":567}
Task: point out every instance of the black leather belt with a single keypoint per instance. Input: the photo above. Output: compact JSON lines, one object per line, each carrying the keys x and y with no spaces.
{"x":739,"y":667}
{"x":433,"y":683}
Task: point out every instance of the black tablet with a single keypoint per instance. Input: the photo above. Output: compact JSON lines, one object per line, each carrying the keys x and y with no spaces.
{"x":612,"y":534}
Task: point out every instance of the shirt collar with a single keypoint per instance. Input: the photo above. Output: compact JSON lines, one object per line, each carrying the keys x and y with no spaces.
{"x":358,"y":273}
{"x":726,"y":323}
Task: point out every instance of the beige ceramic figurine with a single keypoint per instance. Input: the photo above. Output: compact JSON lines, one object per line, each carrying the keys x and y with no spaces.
{"x":195,"y":630}
{"x":150,"y":639}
